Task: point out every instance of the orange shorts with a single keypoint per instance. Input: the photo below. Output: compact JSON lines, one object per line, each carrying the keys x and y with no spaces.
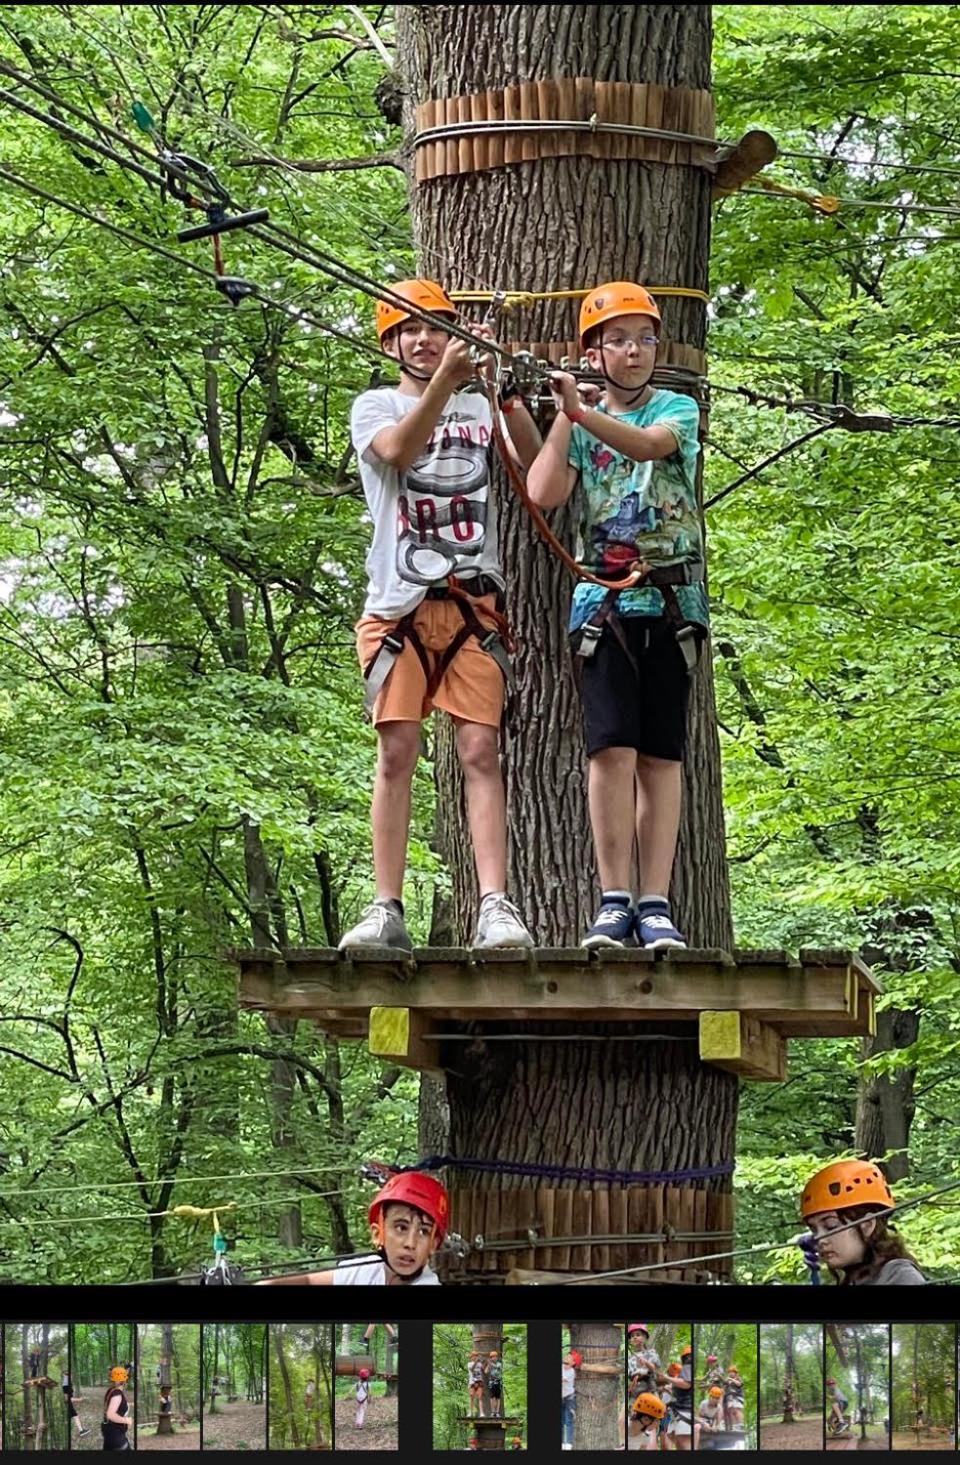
{"x":472,"y":686}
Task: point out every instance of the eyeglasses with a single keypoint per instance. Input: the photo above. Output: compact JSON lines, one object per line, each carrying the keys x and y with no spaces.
{"x":620,"y":343}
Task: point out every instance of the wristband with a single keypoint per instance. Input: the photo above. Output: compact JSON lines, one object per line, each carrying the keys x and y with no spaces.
{"x":577,"y":415}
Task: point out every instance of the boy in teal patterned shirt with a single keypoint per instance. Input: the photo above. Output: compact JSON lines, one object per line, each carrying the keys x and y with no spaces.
{"x":634,"y":456}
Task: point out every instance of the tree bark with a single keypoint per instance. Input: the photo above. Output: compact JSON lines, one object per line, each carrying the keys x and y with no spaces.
{"x":289,"y":1411}
{"x":551,"y":224}
{"x":165,"y":1419}
{"x":600,"y":1392}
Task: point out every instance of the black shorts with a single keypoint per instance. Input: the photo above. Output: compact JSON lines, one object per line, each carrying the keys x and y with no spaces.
{"x":496,"y":1390}
{"x":622,"y":710}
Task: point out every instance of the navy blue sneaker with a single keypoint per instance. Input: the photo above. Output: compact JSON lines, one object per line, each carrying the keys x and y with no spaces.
{"x":654,"y":926}
{"x":613,"y":926}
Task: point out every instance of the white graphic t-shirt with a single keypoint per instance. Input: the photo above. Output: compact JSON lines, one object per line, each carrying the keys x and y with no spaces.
{"x":436,"y":519}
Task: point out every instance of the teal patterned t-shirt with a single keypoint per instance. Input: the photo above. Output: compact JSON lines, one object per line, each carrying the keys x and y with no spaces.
{"x":633,"y":510}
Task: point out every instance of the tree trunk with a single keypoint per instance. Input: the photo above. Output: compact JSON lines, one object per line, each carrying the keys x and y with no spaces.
{"x":899,"y":941}
{"x":552,"y":224}
{"x":165,"y":1418}
{"x":487,"y":1338}
{"x":598,"y":1422}
{"x":216,"y":1364}
{"x":289,"y":1411}
{"x":390,"y":1368}
{"x":789,"y":1380}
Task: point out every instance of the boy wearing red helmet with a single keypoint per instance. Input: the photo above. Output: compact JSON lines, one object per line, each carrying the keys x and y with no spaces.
{"x":408,"y":1218}
{"x":432,"y":630}
{"x":868,"y":1253}
{"x":568,"y":1396}
{"x":634,"y":456}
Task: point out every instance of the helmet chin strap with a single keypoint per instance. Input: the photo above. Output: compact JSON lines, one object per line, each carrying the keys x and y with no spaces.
{"x":405,"y":367}
{"x":404,"y":1276}
{"x":619,"y":386}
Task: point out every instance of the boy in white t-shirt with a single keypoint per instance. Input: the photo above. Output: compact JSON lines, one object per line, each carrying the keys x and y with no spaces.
{"x":432,"y":630}
{"x":408,"y":1221}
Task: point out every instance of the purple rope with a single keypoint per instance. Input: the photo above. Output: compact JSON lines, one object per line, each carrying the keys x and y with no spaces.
{"x":565,"y":1172}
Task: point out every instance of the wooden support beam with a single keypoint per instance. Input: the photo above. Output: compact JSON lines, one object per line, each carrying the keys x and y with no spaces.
{"x":396,"y":1033}
{"x":742,"y":1045}
{"x":744,"y":161}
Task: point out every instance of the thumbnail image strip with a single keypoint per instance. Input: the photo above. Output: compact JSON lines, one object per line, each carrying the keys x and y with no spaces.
{"x":923,"y":1386}
{"x":100,"y":1388}
{"x":301,"y":1386}
{"x":366,"y":1386}
{"x":168,"y":1386}
{"x":856,"y":1402}
{"x":659,"y":1386}
{"x":725,"y":1386}
{"x":480,"y":1386}
{"x":791,"y":1386}
{"x":36,"y":1414}
{"x":234,"y":1386}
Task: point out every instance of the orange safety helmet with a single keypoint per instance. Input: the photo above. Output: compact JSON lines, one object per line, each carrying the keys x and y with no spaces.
{"x":620,"y":297}
{"x":686,"y":1352}
{"x":716,"y":1393}
{"x":421,"y":1192}
{"x":649,"y":1404}
{"x":424,"y":294}
{"x":494,"y":1354}
{"x":118,"y":1375}
{"x":846,"y":1183}
{"x":674,"y":1370}
{"x":516,"y":1442}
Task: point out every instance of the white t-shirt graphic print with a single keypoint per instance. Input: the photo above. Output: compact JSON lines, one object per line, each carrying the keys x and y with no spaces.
{"x":436,"y":519}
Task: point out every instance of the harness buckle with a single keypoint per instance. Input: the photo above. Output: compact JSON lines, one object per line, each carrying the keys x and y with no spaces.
{"x":589,"y":637}
{"x":392,"y":643}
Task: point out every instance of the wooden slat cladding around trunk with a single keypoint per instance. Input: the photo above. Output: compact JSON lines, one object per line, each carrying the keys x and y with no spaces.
{"x":505,"y":1216}
{"x":574,"y":99}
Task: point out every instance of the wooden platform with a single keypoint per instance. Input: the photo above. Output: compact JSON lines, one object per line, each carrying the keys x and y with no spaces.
{"x":743,"y":1005}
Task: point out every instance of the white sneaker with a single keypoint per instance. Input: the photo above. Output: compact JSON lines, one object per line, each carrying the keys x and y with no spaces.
{"x":500,"y":924}
{"x":380,"y":925}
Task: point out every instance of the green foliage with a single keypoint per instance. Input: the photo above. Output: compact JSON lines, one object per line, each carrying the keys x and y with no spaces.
{"x":301,"y":1353}
{"x":807,"y":1371}
{"x":924,"y":1380}
{"x":452,"y":1345}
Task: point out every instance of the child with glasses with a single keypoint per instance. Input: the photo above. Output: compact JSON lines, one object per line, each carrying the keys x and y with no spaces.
{"x":634,"y":457}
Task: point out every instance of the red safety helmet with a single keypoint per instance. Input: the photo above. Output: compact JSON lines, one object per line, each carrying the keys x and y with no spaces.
{"x":712,"y":1358}
{"x":576,"y":1357}
{"x":364,"y":1373}
{"x":638,"y":1328}
{"x":421,"y":1192}
{"x":831,"y":1383}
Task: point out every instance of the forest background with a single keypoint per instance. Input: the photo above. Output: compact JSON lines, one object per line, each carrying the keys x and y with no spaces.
{"x":183,"y":764}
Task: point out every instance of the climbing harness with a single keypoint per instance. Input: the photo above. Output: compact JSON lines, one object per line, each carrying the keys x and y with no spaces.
{"x":664,"y":578}
{"x":497,"y":642}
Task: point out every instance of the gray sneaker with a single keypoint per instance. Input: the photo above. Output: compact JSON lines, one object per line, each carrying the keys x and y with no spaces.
{"x":500,"y":924}
{"x":380,"y":925}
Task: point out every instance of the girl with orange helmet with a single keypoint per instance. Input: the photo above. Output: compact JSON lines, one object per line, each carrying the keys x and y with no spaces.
{"x":634,"y":459}
{"x":648,"y":1411}
{"x":432,"y":630}
{"x":408,"y":1218}
{"x":867,"y":1252}
{"x":115,"y":1425}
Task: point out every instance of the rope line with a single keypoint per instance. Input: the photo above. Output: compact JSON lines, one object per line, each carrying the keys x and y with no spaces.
{"x":568,"y":1172}
{"x":528,"y":298}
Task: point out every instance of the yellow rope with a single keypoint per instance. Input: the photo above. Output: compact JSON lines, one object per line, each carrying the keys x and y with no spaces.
{"x":528,"y":298}
{"x":197,"y":1213}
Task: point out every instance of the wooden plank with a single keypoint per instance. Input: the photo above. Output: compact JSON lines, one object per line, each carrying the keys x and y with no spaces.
{"x":397,"y":1033}
{"x":466,"y":162}
{"x":617,"y":1202}
{"x":479,"y":113}
{"x":600,"y":1255}
{"x":604,"y":988}
{"x":496,"y":113}
{"x":546,"y":1223}
{"x":526,"y":1211}
{"x":530,"y":112}
{"x":583,"y":1225}
{"x":737,"y":1042}
{"x":513,"y":142}
{"x":563,"y":1226}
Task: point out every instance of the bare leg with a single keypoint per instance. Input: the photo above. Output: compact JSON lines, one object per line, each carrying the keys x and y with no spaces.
{"x":659,"y":789}
{"x":478,"y":748}
{"x":399,"y":748}
{"x":611,"y":791}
